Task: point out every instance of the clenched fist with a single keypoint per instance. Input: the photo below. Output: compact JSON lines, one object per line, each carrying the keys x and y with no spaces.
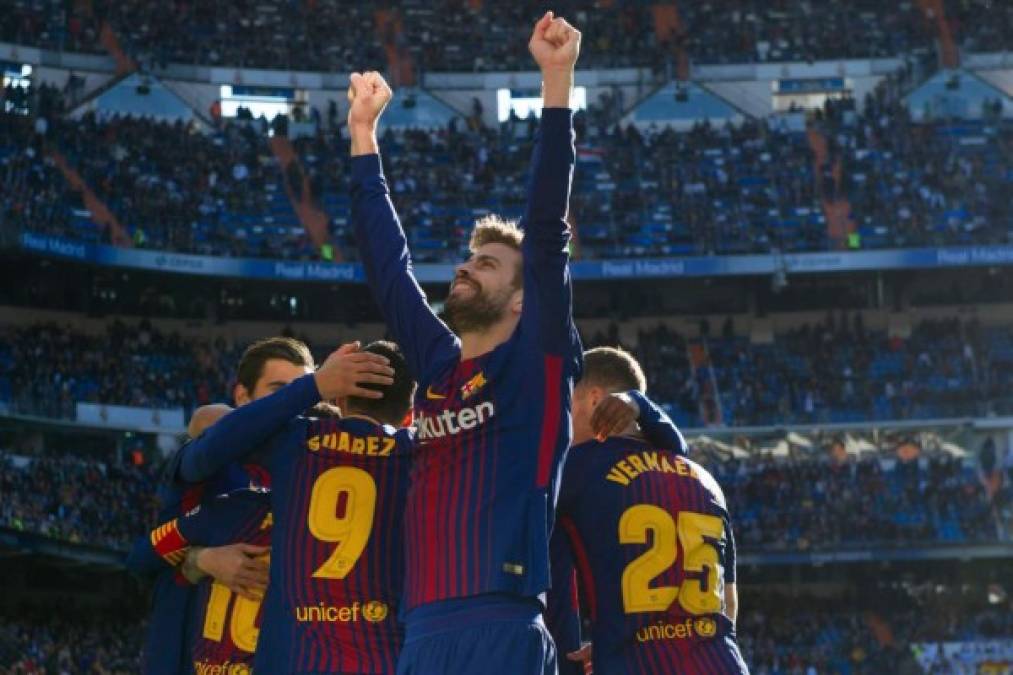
{"x":368,"y":94}
{"x":554,"y":44}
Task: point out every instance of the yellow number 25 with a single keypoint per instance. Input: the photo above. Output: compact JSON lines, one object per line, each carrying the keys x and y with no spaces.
{"x":700,"y":595}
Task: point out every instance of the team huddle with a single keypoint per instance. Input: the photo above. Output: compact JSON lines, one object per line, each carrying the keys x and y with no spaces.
{"x":459,"y":500}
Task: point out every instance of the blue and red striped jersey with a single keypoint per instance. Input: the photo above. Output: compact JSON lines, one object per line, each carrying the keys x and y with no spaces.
{"x":167,"y":639}
{"x":493,"y":430}
{"x":224,"y":629}
{"x":338,"y":494}
{"x":652,"y":542}
{"x":337,"y":560}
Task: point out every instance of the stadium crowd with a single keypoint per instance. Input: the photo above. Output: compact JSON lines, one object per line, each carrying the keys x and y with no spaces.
{"x":807,"y":504}
{"x":808,"y":501}
{"x":330,"y":35}
{"x":54,"y":643}
{"x":56,"y":497}
{"x":836,"y":370}
{"x":46,"y":368}
{"x":812,"y":634}
{"x":712,"y":190}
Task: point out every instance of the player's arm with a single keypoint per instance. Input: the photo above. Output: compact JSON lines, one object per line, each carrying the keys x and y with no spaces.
{"x":185,"y":543}
{"x":657,"y":427}
{"x":731,"y":601}
{"x":614,"y":414}
{"x":731,"y":590}
{"x":243,"y":430}
{"x":548,"y":296}
{"x":425,"y":339}
{"x":562,"y":606}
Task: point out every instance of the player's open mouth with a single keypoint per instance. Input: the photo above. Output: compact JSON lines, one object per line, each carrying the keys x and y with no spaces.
{"x":463,"y":282}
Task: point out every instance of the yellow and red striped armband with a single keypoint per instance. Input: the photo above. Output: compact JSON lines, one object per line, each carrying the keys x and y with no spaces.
{"x":169,"y":543}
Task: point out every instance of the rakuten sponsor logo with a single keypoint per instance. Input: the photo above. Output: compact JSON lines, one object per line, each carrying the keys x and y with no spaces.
{"x":451,"y":422}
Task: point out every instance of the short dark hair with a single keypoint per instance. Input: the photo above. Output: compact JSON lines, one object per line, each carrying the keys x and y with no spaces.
{"x":251,"y":365}
{"x":397,"y":397}
{"x":613,"y":369}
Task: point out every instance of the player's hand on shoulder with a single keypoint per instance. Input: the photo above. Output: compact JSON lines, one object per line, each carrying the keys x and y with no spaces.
{"x":242,"y":568}
{"x":554,"y":43}
{"x":368,"y":95}
{"x":613,"y":415}
{"x":347,"y":369}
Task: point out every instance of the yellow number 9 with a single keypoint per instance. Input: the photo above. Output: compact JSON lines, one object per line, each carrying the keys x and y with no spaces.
{"x":352,"y":528}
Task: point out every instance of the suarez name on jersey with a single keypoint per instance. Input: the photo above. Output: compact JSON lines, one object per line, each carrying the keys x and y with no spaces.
{"x":653,"y":547}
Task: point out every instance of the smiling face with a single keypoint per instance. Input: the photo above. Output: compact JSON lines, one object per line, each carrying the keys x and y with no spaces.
{"x":487,"y":288}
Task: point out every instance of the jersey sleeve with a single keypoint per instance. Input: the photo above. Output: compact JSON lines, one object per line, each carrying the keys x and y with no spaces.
{"x":207,"y":525}
{"x":729,"y":552}
{"x":423,"y":337}
{"x":548,"y":288}
{"x":244,"y":429}
{"x":658,"y":427}
{"x":163,"y":548}
{"x":144,"y":561}
{"x":562,"y":607}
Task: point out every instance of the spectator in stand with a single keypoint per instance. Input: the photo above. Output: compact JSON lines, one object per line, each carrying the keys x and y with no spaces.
{"x":68,"y":640}
{"x":833,"y":371}
{"x":56,"y":497}
{"x":327,"y":35}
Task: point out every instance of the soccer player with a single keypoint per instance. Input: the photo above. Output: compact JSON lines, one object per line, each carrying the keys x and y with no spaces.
{"x":265,"y":366}
{"x":338,"y":493}
{"x":652,"y":541}
{"x":613,"y":414}
{"x":493,"y":407}
{"x":225,"y":633}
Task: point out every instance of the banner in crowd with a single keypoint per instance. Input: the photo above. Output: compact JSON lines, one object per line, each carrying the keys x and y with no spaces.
{"x":126,"y":417}
{"x":639,"y":268}
{"x":977,"y":657}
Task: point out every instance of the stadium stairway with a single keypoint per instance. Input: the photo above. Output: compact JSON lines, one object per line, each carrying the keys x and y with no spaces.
{"x":836,"y":208}
{"x":949,"y":54}
{"x":107,"y":36}
{"x":668,"y":29}
{"x":313,"y":218}
{"x":100,"y":213}
{"x":710,"y":408}
{"x":400,"y":65}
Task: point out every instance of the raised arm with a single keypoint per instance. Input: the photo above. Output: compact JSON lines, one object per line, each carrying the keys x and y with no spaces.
{"x":243,"y":430}
{"x":555,"y":45}
{"x":423,"y":337}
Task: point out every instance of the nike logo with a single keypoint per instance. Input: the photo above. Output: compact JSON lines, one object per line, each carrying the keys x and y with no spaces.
{"x":432,"y":395}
